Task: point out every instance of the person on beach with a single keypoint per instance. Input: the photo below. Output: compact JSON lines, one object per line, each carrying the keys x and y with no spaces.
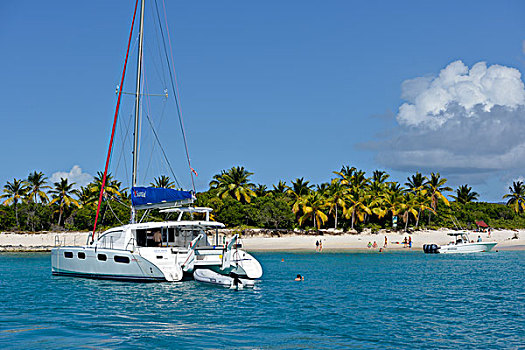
{"x":369,"y":245}
{"x":405,"y":242}
{"x":320,"y":245}
{"x":489,"y":230}
{"x":409,"y":241}
{"x":316,"y":246}
{"x":374,"y":245}
{"x":479,"y":238}
{"x":299,"y":278}
{"x":386,"y":241}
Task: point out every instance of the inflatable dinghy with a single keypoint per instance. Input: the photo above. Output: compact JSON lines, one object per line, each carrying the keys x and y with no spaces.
{"x":211,"y":277}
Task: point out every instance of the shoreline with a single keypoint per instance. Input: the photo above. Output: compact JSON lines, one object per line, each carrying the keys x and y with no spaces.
{"x":263,"y":241}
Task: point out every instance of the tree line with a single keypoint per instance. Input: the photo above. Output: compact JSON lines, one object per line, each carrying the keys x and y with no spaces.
{"x":351,"y":200}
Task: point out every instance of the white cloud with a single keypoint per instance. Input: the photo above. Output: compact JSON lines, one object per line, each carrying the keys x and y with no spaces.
{"x":466,"y":123}
{"x":74,"y":175}
{"x":429,"y":99}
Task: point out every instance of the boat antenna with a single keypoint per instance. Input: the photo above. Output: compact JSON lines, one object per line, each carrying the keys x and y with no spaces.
{"x":137,"y":109}
{"x":114,"y":121}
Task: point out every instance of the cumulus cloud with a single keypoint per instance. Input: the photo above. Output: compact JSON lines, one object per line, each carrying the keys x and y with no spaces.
{"x":429,"y":99}
{"x":75,"y":175}
{"x":462,"y":121}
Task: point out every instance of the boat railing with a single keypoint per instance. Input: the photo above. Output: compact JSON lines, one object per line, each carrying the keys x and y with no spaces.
{"x":105,"y":242}
{"x":61,"y":241}
{"x":131,"y":241}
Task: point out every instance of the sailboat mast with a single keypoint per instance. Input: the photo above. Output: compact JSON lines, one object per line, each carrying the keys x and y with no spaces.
{"x":137,"y":106}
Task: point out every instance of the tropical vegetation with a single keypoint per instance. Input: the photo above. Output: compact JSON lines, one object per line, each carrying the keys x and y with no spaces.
{"x":350,"y":201}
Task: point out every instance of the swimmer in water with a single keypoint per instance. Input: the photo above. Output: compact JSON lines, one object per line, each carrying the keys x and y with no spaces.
{"x":299,"y":278}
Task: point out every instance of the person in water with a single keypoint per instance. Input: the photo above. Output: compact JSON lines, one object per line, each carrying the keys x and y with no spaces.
{"x":299,"y":278}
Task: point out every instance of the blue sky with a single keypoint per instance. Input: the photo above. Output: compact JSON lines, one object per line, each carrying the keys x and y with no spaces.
{"x":286,"y":89}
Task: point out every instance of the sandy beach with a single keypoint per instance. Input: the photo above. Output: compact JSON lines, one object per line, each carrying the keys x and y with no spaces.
{"x":286,"y":242}
{"x":395,"y":241}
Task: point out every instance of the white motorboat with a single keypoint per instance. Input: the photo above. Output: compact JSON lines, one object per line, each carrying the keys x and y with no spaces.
{"x":460,"y":244}
{"x":154,"y":251}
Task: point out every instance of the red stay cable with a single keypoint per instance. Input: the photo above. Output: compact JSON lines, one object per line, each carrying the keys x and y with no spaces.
{"x":114,"y":123}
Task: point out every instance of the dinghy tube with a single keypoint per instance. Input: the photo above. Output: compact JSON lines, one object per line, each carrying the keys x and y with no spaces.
{"x":231,"y":281}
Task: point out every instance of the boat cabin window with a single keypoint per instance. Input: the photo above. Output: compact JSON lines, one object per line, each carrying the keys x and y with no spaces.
{"x":68,"y":255}
{"x":152,"y":237}
{"x":102,"y":257}
{"x":168,"y":236}
{"x":121,"y":259}
{"x":81,"y":255}
{"x":113,"y":239}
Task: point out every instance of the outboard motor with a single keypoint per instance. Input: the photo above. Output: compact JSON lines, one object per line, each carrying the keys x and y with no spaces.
{"x":430,"y":248}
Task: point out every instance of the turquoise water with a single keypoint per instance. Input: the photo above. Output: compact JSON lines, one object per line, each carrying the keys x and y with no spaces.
{"x":348,"y":300}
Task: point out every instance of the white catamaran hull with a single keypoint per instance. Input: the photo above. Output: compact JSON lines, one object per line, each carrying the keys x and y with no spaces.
{"x":149,"y":263}
{"x":476,"y":247}
{"x":103,"y":264}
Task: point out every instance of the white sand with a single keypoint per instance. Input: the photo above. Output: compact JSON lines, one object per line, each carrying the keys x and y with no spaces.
{"x":45,"y":241}
{"x":40,"y":241}
{"x":360,"y":241}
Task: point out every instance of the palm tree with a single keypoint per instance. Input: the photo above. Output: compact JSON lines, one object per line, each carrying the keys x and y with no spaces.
{"x":85,"y":196}
{"x":14,"y":192}
{"x":62,"y":195}
{"x":356,"y":205}
{"x":111,"y":187}
{"x":261,"y":190}
{"x":312,"y":207}
{"x":335,"y":198}
{"x":410,"y":206}
{"x":416,"y":185}
{"x":300,"y":187}
{"x":346,"y":172}
{"x":416,"y":182}
{"x":436,"y":187}
{"x":36,"y":184}
{"x":298,"y":192}
{"x":392,"y":201}
{"x":464,"y":195}
{"x":234,"y":183}
{"x":280,"y":188}
{"x":379,"y":176}
{"x":163,"y":181}
{"x":516,"y":196}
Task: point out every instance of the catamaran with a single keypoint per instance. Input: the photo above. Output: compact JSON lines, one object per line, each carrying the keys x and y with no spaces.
{"x":156,"y":251}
